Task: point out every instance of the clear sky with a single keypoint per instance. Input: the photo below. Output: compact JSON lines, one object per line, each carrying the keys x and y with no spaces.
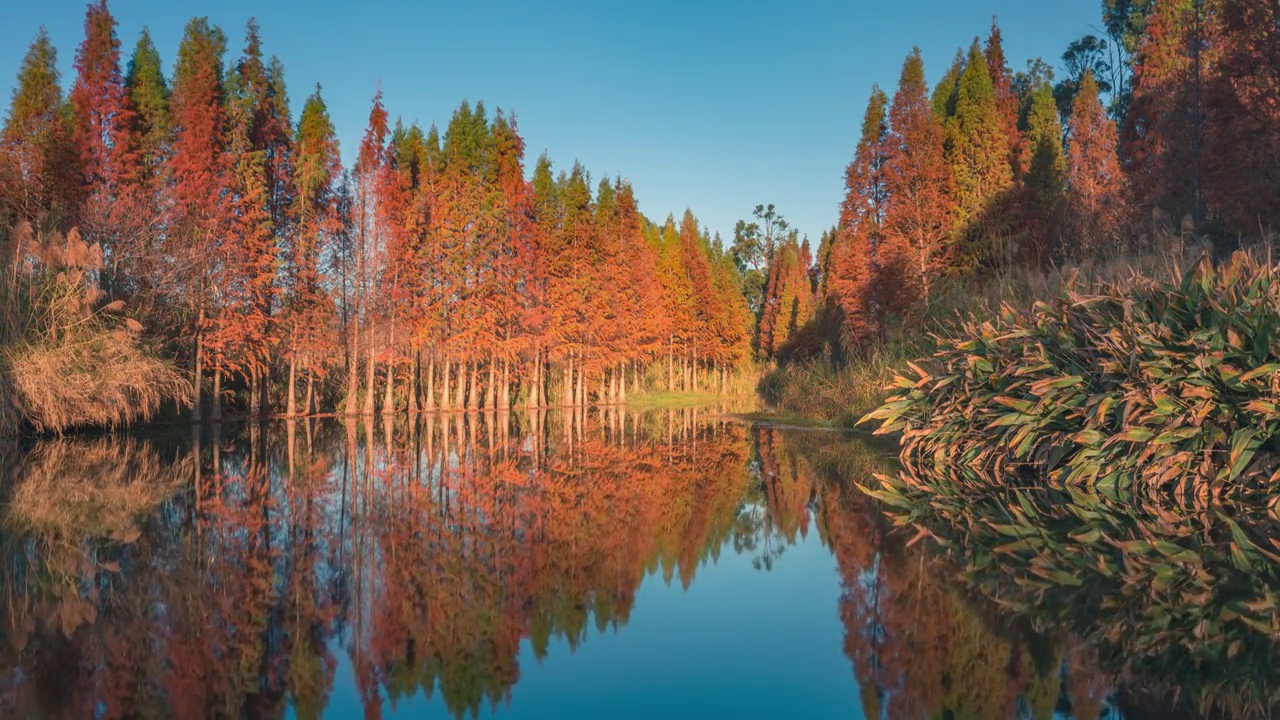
{"x":717,"y":105}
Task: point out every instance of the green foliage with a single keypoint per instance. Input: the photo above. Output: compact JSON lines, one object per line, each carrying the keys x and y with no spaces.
{"x":1139,"y":385}
{"x":1164,"y":593}
{"x":947,"y":92}
{"x":978,"y":146}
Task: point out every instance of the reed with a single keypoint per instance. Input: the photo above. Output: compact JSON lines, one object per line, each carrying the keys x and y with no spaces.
{"x":67,"y":358}
{"x":1139,"y":383}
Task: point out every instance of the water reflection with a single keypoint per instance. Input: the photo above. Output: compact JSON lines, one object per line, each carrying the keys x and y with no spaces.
{"x":1156,"y":606}
{"x":312,"y":568}
{"x":234,"y":572}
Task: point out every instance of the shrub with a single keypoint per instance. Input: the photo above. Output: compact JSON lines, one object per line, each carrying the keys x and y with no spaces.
{"x":1140,"y":383}
{"x":66,"y":358}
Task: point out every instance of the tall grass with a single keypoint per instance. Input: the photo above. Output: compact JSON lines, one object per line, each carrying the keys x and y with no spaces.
{"x":68,"y":359}
{"x":844,"y":393}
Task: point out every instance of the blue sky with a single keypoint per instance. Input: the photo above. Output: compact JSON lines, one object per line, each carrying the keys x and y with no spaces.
{"x":715,"y":105}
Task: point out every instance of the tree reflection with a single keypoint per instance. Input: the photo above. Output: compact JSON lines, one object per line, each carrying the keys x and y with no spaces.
{"x":423,"y":553}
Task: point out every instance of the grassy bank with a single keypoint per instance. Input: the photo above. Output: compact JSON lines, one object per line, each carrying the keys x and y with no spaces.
{"x":842,"y":395}
{"x":1167,"y":386}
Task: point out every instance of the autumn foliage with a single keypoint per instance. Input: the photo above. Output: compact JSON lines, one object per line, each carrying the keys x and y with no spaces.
{"x":986,"y":174}
{"x":434,"y":274}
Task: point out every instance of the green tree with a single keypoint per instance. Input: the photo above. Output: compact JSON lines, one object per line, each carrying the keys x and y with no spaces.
{"x":947,"y":92}
{"x":752,"y":251}
{"x":1044,"y":183}
{"x":979,"y":153}
{"x":1089,"y":54}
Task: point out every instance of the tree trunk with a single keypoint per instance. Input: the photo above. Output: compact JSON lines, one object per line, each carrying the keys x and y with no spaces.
{"x":491,"y":387}
{"x":446,"y":400}
{"x":215,"y":413}
{"x":566,"y":395}
{"x":353,"y":367}
{"x":369,"y":381}
{"x":671,"y":367}
{"x":415,"y":373}
{"x":461,"y":403}
{"x":253,"y":391}
{"x":311,"y":389}
{"x":539,"y":390}
{"x":694,"y":369}
{"x":198,"y":380}
{"x":504,"y":398}
{"x":622,"y":384}
{"x":389,"y":399}
{"x":431,"y":384}
{"x":291,"y":403}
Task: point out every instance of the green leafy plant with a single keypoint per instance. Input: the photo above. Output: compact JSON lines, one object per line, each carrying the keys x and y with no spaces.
{"x":1139,"y":385}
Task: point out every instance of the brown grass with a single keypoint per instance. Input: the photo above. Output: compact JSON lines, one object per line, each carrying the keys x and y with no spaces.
{"x":71,"y":488}
{"x":67,"y":358}
{"x":105,"y":380}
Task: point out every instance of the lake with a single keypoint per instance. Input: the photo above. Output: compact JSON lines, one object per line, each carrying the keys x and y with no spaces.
{"x":622,"y":564}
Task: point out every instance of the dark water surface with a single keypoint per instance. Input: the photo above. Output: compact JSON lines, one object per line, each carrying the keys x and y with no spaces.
{"x":667,"y":564}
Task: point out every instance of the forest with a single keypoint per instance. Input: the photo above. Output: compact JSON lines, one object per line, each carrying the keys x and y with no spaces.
{"x":177,"y":240}
{"x":1161,"y":137}
{"x":180,"y":239}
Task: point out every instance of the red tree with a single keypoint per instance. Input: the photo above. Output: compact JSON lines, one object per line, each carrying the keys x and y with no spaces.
{"x":199,"y":186}
{"x":1242,"y":158}
{"x":918,"y":218}
{"x":1094,"y":180}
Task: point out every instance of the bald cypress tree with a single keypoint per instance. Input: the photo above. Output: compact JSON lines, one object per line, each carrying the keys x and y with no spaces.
{"x":1164,"y":133}
{"x":1045,"y":178}
{"x":308,"y":309}
{"x":918,"y":219}
{"x":979,"y":152}
{"x":149,"y":97}
{"x":947,"y":92}
{"x":198,"y":188}
{"x":1242,"y":156}
{"x":855,"y":264}
{"x":36,"y":143}
{"x":1094,"y":178}
{"x":1007,"y":103}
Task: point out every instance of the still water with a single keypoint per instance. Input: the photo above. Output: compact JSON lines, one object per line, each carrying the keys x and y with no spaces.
{"x":673,"y":563}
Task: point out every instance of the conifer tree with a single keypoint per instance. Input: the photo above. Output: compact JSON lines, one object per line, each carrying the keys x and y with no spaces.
{"x":789,"y":299}
{"x":1094,"y":178}
{"x":1007,"y":104}
{"x":1163,"y":136}
{"x":918,"y":220}
{"x":947,"y":92}
{"x":149,"y":97}
{"x":979,"y":151}
{"x":368,"y":260}
{"x":36,"y":142}
{"x":308,"y":308}
{"x":109,"y":161}
{"x":1045,"y":178}
{"x":257,"y":138}
{"x":855,"y":266}
{"x":199,"y":185}
{"x":1242,"y":155}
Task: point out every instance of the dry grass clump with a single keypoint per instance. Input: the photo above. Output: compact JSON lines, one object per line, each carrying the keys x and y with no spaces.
{"x":72,"y":488}
{"x":66,"y":358}
{"x":104,"y":380}
{"x":1138,"y":383}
